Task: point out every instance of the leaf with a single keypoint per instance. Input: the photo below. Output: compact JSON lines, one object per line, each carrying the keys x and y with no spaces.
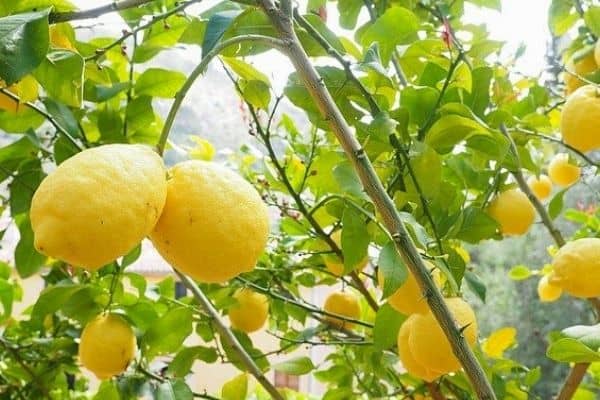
{"x":107,"y":391}
{"x":387,"y":325}
{"x":23,"y":185}
{"x":519,"y":273}
{"x":392,"y":268}
{"x":244,"y":70}
{"x":588,"y":335}
{"x":592,"y":19}
{"x":12,"y":155}
{"x":477,"y":225}
{"x":493,"y":4}
{"x":557,"y":204}
{"x":347,"y":179}
{"x":158,"y":82}
{"x":57,"y":5}
{"x":295,"y":366}
{"x":173,"y":390}
{"x":450,"y":130}
{"x":561,"y":16}
{"x":499,"y":341}
{"x":355,"y":239}
{"x":476,"y":285}
{"x":27,"y":259}
{"x":396,"y":26}
{"x":167,"y":334}
{"x":235,"y":389}
{"x":64,"y":116}
{"x":349,"y":11}
{"x":24,"y":41}
{"x":420,"y":102}
{"x":52,"y":299}
{"x":571,"y":350}
{"x":6,"y":299}
{"x":139,"y":113}
{"x":184,"y":360}
{"x":256,"y":93}
{"x":61,"y":75}
{"x":216,"y":27}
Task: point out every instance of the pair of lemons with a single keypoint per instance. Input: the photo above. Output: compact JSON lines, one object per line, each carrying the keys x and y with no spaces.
{"x":204,"y":219}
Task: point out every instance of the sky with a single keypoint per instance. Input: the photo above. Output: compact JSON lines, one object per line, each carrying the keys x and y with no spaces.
{"x":520,"y":21}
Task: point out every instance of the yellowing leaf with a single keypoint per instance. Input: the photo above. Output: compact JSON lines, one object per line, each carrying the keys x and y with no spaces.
{"x":235,"y":389}
{"x":61,"y":36}
{"x":497,"y":343}
{"x":26,"y":89}
{"x":204,"y":150}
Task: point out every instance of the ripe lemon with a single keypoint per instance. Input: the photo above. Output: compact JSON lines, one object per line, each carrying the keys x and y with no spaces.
{"x":562,"y":172}
{"x":99,"y":204}
{"x":408,"y":361}
{"x":540,"y":186}
{"x":577,"y":268}
{"x":333,"y":262}
{"x":344,"y":304}
{"x":408,"y":299}
{"x":548,"y":292}
{"x":579,"y":119}
{"x":214,"y":225}
{"x":107,"y":345}
{"x":251,"y":311}
{"x":513,"y":211}
{"x":583,"y":66}
{"x":428,"y":343}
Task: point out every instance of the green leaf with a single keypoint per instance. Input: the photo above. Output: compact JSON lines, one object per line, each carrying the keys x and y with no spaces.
{"x":347,"y":179}
{"x":571,"y":350}
{"x":139,"y":113}
{"x":476,"y":226}
{"x":216,"y":27}
{"x":355,"y":238}
{"x":450,"y":130}
{"x":173,"y":390}
{"x":588,"y":335}
{"x":27,"y":259}
{"x":61,"y":75}
{"x":23,"y":185}
{"x":6,"y":299}
{"x":52,"y":299}
{"x":244,"y":70}
{"x":387,"y":325}
{"x":557,"y":204}
{"x":476,"y":285}
{"x":295,"y":366}
{"x":57,"y":5}
{"x":158,"y":82}
{"x":592,"y":19}
{"x":24,"y":42}
{"x":396,"y":26}
{"x":64,"y":116}
{"x":167,"y":334}
{"x":349,"y":11}
{"x":493,"y":4}
{"x":420,"y":103}
{"x":561,"y":16}
{"x":184,"y":360}
{"x":101,"y":93}
{"x":392,"y":268}
{"x":256,"y":93}
{"x":519,"y":273}
{"x":107,"y":391}
{"x":12,"y":155}
{"x":235,"y":389}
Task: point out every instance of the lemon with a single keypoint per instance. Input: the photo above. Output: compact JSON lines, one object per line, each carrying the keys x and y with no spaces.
{"x":583,"y":66}
{"x":540,"y":186}
{"x":513,"y":211}
{"x":214,"y":225}
{"x":107,"y":345}
{"x":344,"y":304}
{"x":579,"y":119}
{"x":250,"y":312}
{"x":577,"y":268}
{"x":99,"y":204}
{"x":406,"y":357}
{"x":428,"y":344}
{"x":333,"y":262}
{"x":547,"y":291}
{"x":562,"y":172}
{"x":408,"y":299}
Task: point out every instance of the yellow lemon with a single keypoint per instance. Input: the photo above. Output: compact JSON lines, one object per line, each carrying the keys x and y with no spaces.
{"x":214,"y":225}
{"x":344,"y":304}
{"x":562,"y":172}
{"x":99,"y":204}
{"x":250,"y":312}
{"x":579,"y":119}
{"x":406,"y":357}
{"x":513,"y":211}
{"x":334,"y":264}
{"x":107,"y":346}
{"x":576,"y":268}
{"x":583,"y":66}
{"x":408,"y":299}
{"x":540,"y":186}
{"x":547,"y":291}
{"x":428,"y":343}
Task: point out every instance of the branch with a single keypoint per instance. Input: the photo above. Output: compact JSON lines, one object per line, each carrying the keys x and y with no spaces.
{"x":228,"y":336}
{"x":384,"y":204}
{"x":573,"y":381}
{"x":567,"y":146}
{"x":44,"y":114}
{"x":199,"y":70}
{"x":56,"y":17}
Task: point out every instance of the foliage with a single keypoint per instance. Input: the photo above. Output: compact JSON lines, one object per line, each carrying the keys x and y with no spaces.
{"x":446,"y":121}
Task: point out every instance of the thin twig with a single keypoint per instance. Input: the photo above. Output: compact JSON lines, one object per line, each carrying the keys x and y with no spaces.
{"x":579,"y":153}
{"x":229,"y":337}
{"x":56,"y":17}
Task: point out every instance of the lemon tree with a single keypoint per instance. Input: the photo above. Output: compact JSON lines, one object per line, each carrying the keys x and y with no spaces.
{"x":356,"y":217}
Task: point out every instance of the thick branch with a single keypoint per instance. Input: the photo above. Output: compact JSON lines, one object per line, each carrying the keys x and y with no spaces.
{"x":229,"y":337}
{"x":199,"y":70}
{"x":573,"y":381}
{"x":382,"y":201}
{"x":57,"y":17}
